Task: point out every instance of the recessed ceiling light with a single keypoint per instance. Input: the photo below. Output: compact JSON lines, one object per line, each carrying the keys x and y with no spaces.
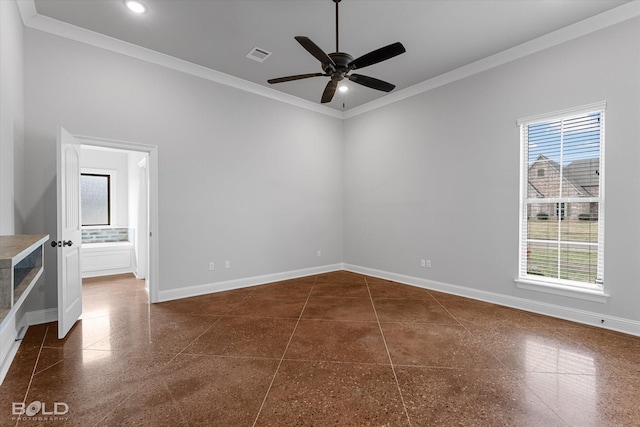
{"x":343,"y":88}
{"x":135,"y":6}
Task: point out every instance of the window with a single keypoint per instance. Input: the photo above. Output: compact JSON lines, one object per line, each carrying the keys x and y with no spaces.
{"x":562,"y":209}
{"x":95,"y":196}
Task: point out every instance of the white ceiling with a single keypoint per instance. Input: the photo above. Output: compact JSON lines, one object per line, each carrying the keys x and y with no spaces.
{"x":439,"y":35}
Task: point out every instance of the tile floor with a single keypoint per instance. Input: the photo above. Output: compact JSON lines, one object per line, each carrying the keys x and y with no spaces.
{"x":337,"y":349}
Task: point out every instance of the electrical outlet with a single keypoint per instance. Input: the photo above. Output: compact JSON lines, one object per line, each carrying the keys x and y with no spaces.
{"x":227,"y":264}
{"x":319,"y":253}
{"x":428,"y":263}
{"x":423,"y":263}
{"x":211,"y":266}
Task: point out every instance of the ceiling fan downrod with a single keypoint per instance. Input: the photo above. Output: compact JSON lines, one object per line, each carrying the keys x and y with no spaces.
{"x":337,"y":26}
{"x":338,"y":65}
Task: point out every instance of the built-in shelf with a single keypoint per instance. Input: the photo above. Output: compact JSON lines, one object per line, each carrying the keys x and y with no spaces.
{"x":21,"y":264}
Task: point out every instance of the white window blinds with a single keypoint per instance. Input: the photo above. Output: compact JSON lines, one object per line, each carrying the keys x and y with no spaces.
{"x":562,"y":200}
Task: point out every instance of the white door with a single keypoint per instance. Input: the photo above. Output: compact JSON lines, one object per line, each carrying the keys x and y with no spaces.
{"x":69,"y":232}
{"x":142,"y":236}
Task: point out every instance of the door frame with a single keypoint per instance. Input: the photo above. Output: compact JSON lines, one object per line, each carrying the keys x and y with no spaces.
{"x":154,"y":234}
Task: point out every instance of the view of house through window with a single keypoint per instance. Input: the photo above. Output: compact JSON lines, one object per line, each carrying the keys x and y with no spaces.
{"x":562,"y":199}
{"x":95,"y":199}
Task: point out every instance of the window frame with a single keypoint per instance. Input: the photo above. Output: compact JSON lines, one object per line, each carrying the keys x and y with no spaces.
{"x":112,"y":174}
{"x":582,"y":290}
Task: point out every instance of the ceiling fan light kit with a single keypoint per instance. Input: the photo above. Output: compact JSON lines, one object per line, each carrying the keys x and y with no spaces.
{"x":338,"y":65}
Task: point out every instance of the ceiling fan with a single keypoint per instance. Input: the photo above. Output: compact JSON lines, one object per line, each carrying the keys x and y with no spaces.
{"x":338,"y":65}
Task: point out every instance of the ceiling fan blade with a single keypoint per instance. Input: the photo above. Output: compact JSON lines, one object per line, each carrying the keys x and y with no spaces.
{"x":296,"y":77}
{"x":371,"y":82}
{"x":314,"y":50}
{"x":378,"y":55}
{"x":329,"y":90}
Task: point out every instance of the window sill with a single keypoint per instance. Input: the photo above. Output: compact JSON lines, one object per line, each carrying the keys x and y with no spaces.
{"x":566,"y":291}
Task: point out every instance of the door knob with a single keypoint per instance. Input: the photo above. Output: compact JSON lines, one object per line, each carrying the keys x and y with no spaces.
{"x":61,"y":243}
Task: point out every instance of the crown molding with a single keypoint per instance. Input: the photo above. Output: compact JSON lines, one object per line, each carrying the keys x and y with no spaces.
{"x":611,"y":17}
{"x":43,"y":23}
{"x":27,"y":10}
{"x":606,"y":19}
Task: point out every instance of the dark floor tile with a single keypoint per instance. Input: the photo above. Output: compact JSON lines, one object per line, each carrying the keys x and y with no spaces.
{"x":339,"y":308}
{"x":35,"y":335}
{"x":588,"y":400}
{"x":87,"y":332}
{"x":340,"y":276}
{"x":151,"y":405}
{"x":549,"y":322}
{"x":338,"y":341}
{"x":283,"y":290}
{"x":295,"y":288}
{"x":269,"y":306}
{"x":340,"y":289}
{"x":245,"y":337}
{"x":615,"y":350}
{"x":412,"y":310}
{"x":211,"y":304}
{"x":381,"y":288}
{"x":443,"y":295}
{"x":161,"y":333}
{"x":201,"y":390}
{"x":470,"y":398}
{"x":92,"y":383}
{"x":458,"y":361}
{"x":16,"y":382}
{"x":97,"y":305}
{"x":445,"y":346}
{"x":475,"y":312}
{"x":535,"y":350}
{"x":333,"y":394}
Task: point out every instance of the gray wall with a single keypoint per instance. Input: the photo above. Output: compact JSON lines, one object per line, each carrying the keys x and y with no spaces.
{"x":265,"y":184}
{"x":11,"y":118}
{"x":436,"y":176}
{"x":117,"y":161}
{"x":241,"y":177}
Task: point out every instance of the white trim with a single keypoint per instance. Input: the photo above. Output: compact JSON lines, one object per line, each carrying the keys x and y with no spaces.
{"x":27,"y":10}
{"x":563,"y":114}
{"x":154,"y":228}
{"x":606,"y":19}
{"x":594,"y":295}
{"x":207,"y":288}
{"x":113,"y":195}
{"x":551,"y":285}
{"x":627,"y":326}
{"x":7,"y":353}
{"x":63,"y":29}
{"x":9,"y":339}
{"x":38,"y":317}
{"x":611,"y":17}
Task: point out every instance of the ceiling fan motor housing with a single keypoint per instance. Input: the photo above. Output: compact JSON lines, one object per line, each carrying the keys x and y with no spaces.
{"x":341,"y":61}
{"x":337,"y":65}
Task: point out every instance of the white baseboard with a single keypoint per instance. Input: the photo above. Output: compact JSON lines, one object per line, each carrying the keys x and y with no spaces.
{"x":39,"y":317}
{"x":207,"y":288}
{"x":13,"y":330}
{"x":8,"y":345}
{"x":613,"y":323}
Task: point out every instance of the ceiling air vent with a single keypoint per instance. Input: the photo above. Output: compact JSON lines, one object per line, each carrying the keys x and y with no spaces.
{"x":258,"y":54}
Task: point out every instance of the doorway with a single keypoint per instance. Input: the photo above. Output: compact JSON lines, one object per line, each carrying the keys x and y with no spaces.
{"x":128,"y":242}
